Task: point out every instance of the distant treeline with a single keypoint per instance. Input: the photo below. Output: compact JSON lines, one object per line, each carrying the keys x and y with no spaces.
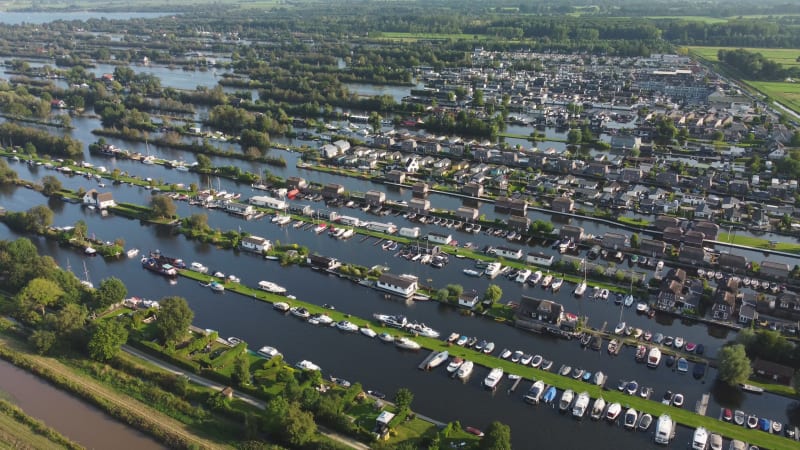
{"x":755,"y":66}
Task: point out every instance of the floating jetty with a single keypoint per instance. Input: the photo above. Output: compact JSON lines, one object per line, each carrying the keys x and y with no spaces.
{"x":424,"y":364}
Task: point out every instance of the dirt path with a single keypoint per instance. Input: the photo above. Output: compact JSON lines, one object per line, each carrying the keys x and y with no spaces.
{"x":131,"y":406}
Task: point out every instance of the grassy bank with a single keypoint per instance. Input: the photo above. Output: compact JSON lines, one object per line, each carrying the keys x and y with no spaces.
{"x":21,"y":431}
{"x":755,"y":242}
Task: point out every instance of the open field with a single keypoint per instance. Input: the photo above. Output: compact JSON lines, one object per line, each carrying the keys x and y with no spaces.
{"x":786,"y":56}
{"x":704,"y":19}
{"x":787,"y":94}
{"x":411,"y":37}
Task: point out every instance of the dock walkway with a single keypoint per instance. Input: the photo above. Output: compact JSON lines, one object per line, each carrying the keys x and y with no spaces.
{"x":702,"y":405}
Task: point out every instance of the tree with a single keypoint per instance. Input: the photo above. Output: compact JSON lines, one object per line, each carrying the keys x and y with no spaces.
{"x":574,"y":136}
{"x":241,"y":370}
{"x":403,"y":399}
{"x":112,"y":290}
{"x":734,"y":366}
{"x":497,"y":437}
{"x":493,"y":293}
{"x":50,"y":185}
{"x":635,"y":240}
{"x":108,"y":336}
{"x":298,"y":426}
{"x":203,"y":163}
{"x":162,"y":207}
{"x":39,"y":217}
{"x":43,"y":341}
{"x":174,"y":318}
{"x":37,"y":295}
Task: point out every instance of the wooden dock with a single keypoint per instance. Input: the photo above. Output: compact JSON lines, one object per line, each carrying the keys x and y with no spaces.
{"x":514,"y":386}
{"x":702,"y":404}
{"x":424,"y":364}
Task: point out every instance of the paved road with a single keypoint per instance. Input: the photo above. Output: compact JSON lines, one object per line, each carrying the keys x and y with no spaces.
{"x":240,"y":395}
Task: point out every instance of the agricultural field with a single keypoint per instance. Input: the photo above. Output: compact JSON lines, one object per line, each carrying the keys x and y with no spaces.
{"x":788,"y":94}
{"x":786,"y":56}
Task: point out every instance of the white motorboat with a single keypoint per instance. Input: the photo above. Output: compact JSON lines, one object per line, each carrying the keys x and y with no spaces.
{"x":132,"y":253}
{"x":391,"y":321}
{"x":566,"y":400}
{"x":493,"y":269}
{"x":613,"y":411}
{"x":307,"y":365}
{"x":547,"y":280}
{"x":604,"y":293}
{"x":630,"y":419}
{"x":268,"y":352}
{"x":281,"y":306}
{"x":321,"y":319}
{"x":580,"y":288}
{"x":386,"y":337}
{"x":642,"y":307}
{"x":471,"y":273}
{"x":644,"y":422}
{"x":581,"y":404}
{"x":523,"y":275}
{"x":629,"y":299}
{"x":346,"y":325}
{"x":271,"y":287}
{"x":197,"y":267}
{"x":422,"y":330}
{"x":535,"y":278}
{"x":494,"y":377}
{"x":505,"y":354}
{"x":620,"y":328}
{"x":556,"y":284}
{"x":678,"y":342}
{"x":299,"y":311}
{"x":406,"y":343}
{"x":465,"y":370}
{"x":700,"y":439}
{"x":454,"y":365}
{"x":599,"y":378}
{"x":597,"y":408}
{"x":438,"y":359}
{"x":216,"y":286}
{"x":654,"y":357}
{"x":488,"y":348}
{"x":534,"y":394}
{"x":368,"y":332}
{"x":320,"y":228}
{"x":536,"y":361}
{"x":715,"y":441}
{"x":664,"y":429}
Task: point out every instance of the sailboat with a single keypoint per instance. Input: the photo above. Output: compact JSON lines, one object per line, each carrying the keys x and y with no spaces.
{"x":581,"y":288}
{"x":86,"y":282}
{"x":148,"y":159}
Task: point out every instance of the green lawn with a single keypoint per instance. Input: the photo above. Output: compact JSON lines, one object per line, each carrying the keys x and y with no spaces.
{"x":634,"y":222}
{"x":788,"y":94}
{"x":759,"y":243}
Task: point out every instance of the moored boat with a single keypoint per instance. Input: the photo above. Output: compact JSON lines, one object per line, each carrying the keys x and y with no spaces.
{"x":368,"y":332}
{"x":346,"y":325}
{"x":597,"y":408}
{"x":488,"y":348}
{"x":677,"y":400}
{"x":620,"y":328}
{"x":536,"y":361}
{"x":664,"y":429}
{"x":299,"y":311}
{"x":581,"y":404}
{"x":752,"y":421}
{"x":494,"y":377}
{"x":566,"y":400}
{"x":613,"y":411}
{"x":534,"y":394}
{"x":739,"y":417}
{"x":197,"y":267}
{"x":751,"y":388}
{"x":700,"y":439}
{"x":654,"y":357}
{"x":271,"y":287}
{"x":437,"y":360}
{"x":307,"y":365}
{"x":386,"y":337}
{"x":644,"y":422}
{"x":465,"y":370}
{"x":407,"y":344}
{"x":268,"y":352}
{"x":630,"y":418}
{"x":454,"y":365}
{"x":164,"y":269}
{"x":281,"y":306}
{"x":550,"y":395}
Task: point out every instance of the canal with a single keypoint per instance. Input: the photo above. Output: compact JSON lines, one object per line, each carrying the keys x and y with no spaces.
{"x":75,"y":419}
{"x":383,"y":367}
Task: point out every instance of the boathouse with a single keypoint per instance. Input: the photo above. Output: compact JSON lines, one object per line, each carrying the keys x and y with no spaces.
{"x":773,"y":371}
{"x":398,"y":285}
{"x":332,"y":191}
{"x":468,"y":299}
{"x":508,"y":252}
{"x":467,"y":213}
{"x":775,"y":269}
{"x":268,"y":202}
{"x":420,"y":190}
{"x":562,"y":204}
{"x":419,"y":205}
{"x":296,"y":183}
{"x":539,"y":259}
{"x":571,"y":232}
{"x":472,"y":189}
{"x":374,"y":198}
{"x":438,"y":238}
{"x":533,"y":312}
{"x":520,"y":224}
{"x":239,"y":209}
{"x":322,"y":262}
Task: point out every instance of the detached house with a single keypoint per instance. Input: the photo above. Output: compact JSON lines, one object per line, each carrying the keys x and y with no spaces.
{"x":99,"y":200}
{"x":256,"y":244}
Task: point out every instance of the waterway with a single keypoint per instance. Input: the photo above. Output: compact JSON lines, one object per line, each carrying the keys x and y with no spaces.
{"x":75,"y":419}
{"x":383,"y":367}
{"x":17,"y":18}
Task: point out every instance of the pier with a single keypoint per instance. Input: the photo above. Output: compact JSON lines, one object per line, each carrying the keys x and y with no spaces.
{"x":424,"y":364}
{"x":702,"y":405}
{"x":514,"y":386}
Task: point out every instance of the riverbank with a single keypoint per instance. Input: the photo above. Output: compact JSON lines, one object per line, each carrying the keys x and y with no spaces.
{"x":19,"y":430}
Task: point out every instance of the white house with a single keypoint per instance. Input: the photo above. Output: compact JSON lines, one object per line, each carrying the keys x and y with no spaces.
{"x":508,"y":253}
{"x":437,"y":238}
{"x":412,"y":233}
{"x":98,"y":200}
{"x":539,"y":259}
{"x":399,"y":285}
{"x":256,"y":244}
{"x":412,"y":164}
{"x":268,"y":202}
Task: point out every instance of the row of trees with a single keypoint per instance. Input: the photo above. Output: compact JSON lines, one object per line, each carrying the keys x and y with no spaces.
{"x":755,"y":66}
